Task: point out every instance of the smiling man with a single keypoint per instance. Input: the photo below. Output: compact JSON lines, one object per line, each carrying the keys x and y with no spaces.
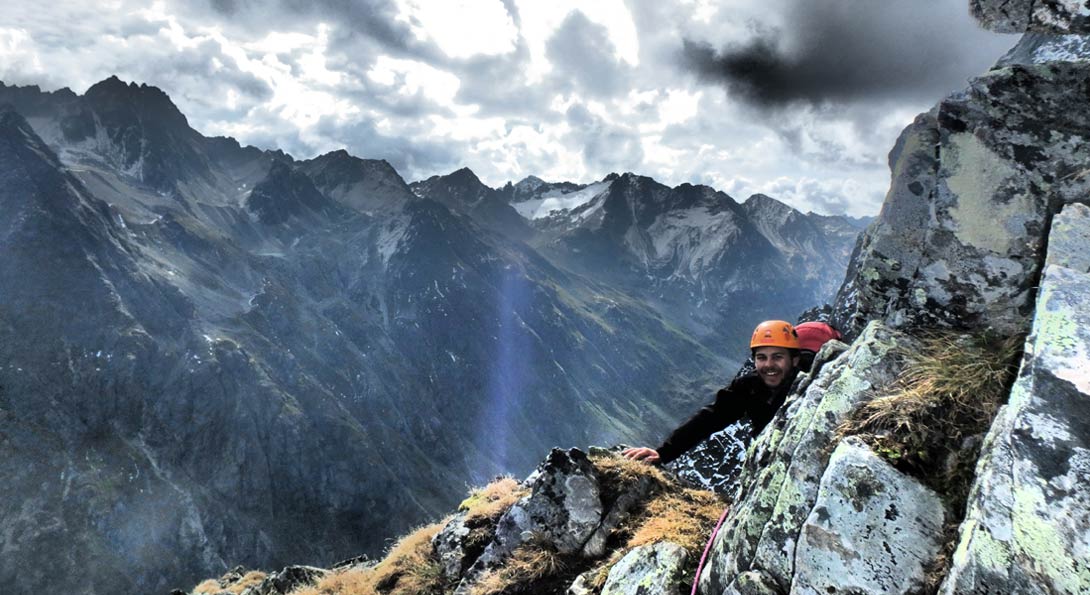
{"x":756,"y":396}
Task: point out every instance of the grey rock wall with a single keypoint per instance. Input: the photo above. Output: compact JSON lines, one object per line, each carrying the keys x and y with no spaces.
{"x":976,"y":180}
{"x":1027,"y":528}
{"x":653,"y":569}
{"x":1044,"y":16}
{"x":872,"y":530}
{"x":1040,"y":48}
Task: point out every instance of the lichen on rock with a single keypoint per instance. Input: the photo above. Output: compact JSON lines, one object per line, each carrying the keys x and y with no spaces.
{"x":1042,"y":16}
{"x":872,"y":528}
{"x":1026,"y":525}
{"x":654,"y":569}
{"x":960,"y":238}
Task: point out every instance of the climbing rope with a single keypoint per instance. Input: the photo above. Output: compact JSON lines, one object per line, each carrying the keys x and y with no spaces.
{"x":704,"y":556}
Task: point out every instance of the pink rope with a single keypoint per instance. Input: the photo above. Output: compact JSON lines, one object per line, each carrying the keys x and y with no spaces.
{"x":704,"y":556}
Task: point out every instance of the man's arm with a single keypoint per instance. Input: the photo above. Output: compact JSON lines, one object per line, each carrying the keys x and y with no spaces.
{"x":725,"y":410}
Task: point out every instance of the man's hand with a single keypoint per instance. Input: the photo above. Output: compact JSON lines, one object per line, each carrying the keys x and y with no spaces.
{"x":647,"y":455}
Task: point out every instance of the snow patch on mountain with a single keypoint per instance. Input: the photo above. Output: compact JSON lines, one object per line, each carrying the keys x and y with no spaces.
{"x":557,"y":200}
{"x":697,"y":237}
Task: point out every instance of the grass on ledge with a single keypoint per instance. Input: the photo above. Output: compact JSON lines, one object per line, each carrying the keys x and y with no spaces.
{"x":949,"y":391}
{"x":410,"y":568}
{"x":683,"y":516}
{"x":931,"y":422}
{"x":234,"y":586}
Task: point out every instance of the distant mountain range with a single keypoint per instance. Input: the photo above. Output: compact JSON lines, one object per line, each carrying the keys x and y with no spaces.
{"x":213,"y":354}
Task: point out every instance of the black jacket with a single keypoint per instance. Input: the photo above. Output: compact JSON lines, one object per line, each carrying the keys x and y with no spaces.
{"x":747,"y":396}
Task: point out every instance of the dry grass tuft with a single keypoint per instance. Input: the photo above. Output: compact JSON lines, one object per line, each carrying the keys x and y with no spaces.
{"x":686,"y":518}
{"x":252,"y":578}
{"x":527,"y":567}
{"x":209,"y":586}
{"x":625,"y":472}
{"x":948,"y":392}
{"x":483,"y":509}
{"x":230,"y":583}
{"x":682,"y":516}
{"x":409,"y":568}
{"x":618,"y":475}
{"x":494,"y":499}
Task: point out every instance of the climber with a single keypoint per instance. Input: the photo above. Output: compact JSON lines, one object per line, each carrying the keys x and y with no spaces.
{"x":758,"y":395}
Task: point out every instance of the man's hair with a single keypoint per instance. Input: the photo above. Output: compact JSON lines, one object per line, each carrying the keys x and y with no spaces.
{"x":792,"y":352}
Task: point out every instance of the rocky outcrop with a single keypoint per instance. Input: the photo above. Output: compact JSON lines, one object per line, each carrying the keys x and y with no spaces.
{"x":962,"y":233}
{"x":1039,"y":48}
{"x":567,"y":512}
{"x":1026,"y":529}
{"x":1043,"y":16}
{"x":654,"y":569}
{"x":287,"y":580}
{"x":872,"y":529}
{"x":452,"y":547}
{"x":563,"y":510}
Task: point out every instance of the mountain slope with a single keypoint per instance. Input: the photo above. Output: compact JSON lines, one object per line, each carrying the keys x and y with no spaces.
{"x":236,"y":357}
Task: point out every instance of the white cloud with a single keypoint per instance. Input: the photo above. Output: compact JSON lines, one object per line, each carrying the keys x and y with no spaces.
{"x":18,"y":56}
{"x":678,"y":106}
{"x":434,"y":85}
{"x":838,"y":195}
{"x":410,"y":77}
{"x":461,"y":28}
{"x":540,"y":20}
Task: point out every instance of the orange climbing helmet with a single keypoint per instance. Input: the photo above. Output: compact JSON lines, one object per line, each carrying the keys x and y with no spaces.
{"x":774,"y":333}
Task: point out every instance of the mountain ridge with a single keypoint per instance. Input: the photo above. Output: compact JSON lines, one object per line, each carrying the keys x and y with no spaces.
{"x":292,"y":358}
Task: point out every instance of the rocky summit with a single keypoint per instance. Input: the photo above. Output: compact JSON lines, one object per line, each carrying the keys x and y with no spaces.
{"x":214,"y":355}
{"x":943,"y":447}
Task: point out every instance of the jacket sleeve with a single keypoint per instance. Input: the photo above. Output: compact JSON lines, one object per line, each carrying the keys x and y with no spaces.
{"x":727,"y":408}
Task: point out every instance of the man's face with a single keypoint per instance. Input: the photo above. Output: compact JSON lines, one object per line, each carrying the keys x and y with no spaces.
{"x":773,"y":364}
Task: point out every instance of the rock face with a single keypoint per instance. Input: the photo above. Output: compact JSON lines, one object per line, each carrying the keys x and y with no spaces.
{"x":975,"y":181}
{"x":565,"y":511}
{"x":872,"y":529}
{"x":653,"y":569}
{"x":1043,"y":16}
{"x":1027,"y":529}
{"x":1039,"y":48}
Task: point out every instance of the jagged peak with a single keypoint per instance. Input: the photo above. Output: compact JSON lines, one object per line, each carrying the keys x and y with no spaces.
{"x":341,"y":158}
{"x":337,"y":156}
{"x":115,"y":86}
{"x":529,"y":183}
{"x":766,"y":201}
{"x":464,"y":176}
{"x":112,"y":91}
{"x":766,"y":205}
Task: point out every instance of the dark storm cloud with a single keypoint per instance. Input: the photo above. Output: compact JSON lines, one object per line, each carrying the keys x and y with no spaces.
{"x":583,"y":57}
{"x":843,"y":51}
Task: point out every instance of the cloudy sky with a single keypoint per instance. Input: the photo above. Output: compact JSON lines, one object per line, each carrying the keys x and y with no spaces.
{"x":799,"y":99}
